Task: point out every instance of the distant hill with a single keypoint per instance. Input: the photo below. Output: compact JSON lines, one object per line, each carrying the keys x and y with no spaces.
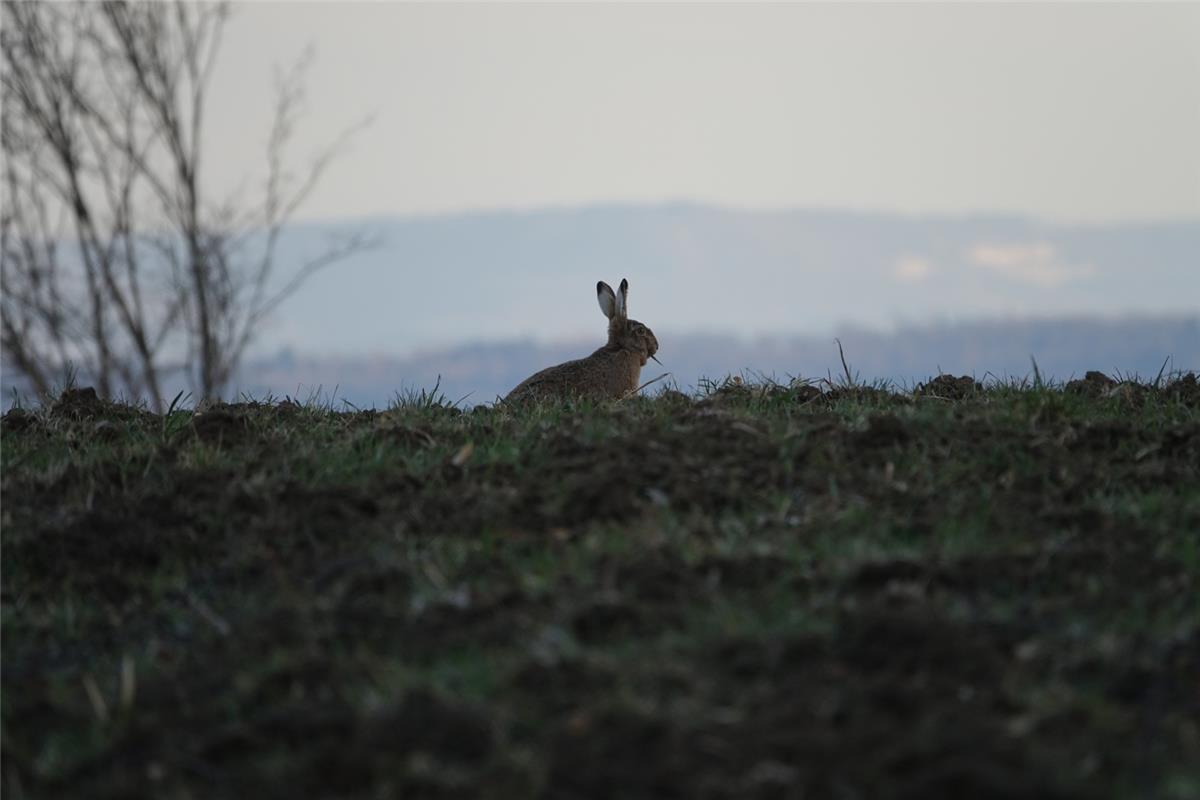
{"x":480,"y":372}
{"x":503,"y":275}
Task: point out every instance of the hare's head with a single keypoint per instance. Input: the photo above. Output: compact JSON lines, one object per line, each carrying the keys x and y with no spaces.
{"x":625,"y":333}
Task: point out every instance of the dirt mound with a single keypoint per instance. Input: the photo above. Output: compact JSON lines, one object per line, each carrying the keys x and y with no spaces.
{"x":220,"y":424}
{"x":16,"y":420}
{"x":1093,"y":384}
{"x":948,"y":387}
{"x":1185,"y":389}
{"x":85,"y":404}
{"x":78,"y":404}
{"x":860,"y":394}
{"x":806,"y":393}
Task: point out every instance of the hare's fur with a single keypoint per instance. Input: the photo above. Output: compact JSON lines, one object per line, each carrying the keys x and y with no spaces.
{"x":609,"y":373}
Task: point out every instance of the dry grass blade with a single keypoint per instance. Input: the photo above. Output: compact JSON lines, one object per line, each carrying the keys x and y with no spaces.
{"x":210,"y":616}
{"x":99,"y":706}
{"x":845,"y":366}
{"x":463,"y":455}
{"x":128,"y":683}
{"x":647,"y":383}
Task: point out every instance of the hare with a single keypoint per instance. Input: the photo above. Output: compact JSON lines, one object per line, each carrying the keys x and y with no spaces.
{"x":610,"y":372}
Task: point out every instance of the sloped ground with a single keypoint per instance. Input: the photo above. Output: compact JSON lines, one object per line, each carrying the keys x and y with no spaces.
{"x":763,"y":592}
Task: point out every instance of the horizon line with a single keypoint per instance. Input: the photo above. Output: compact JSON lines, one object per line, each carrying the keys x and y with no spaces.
{"x":845,"y":328}
{"x":815,"y":209}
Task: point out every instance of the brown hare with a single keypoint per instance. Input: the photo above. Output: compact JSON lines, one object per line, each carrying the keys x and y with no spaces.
{"x":610,"y":372}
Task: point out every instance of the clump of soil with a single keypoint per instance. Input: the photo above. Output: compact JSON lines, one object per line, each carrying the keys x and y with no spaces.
{"x":78,"y":404}
{"x":17,"y":419}
{"x":220,"y":424}
{"x":1185,"y":389}
{"x":1093,"y":384}
{"x":949,"y":387}
{"x":85,"y":404}
{"x":861,"y":394}
{"x":806,"y":393}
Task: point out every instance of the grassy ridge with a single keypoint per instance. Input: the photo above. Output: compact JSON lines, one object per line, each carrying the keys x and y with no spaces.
{"x":764,"y":591}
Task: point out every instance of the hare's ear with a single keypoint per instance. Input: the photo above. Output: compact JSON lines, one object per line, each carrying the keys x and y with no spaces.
{"x":608,"y":301}
{"x":623,"y":299}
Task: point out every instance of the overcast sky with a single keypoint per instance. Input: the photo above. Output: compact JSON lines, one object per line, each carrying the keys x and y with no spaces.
{"x":1070,"y":112}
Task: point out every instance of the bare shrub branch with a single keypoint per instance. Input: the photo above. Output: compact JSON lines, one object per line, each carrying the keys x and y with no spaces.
{"x":115,"y":260}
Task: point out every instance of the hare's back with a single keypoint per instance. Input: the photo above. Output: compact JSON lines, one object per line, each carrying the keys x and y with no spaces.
{"x":557,"y":380}
{"x":605,"y":374}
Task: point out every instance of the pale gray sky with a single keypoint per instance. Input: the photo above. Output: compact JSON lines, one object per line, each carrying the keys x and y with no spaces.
{"x":1070,"y":112}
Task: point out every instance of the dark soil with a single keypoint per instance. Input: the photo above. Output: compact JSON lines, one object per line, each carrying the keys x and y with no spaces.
{"x":762,"y":592}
